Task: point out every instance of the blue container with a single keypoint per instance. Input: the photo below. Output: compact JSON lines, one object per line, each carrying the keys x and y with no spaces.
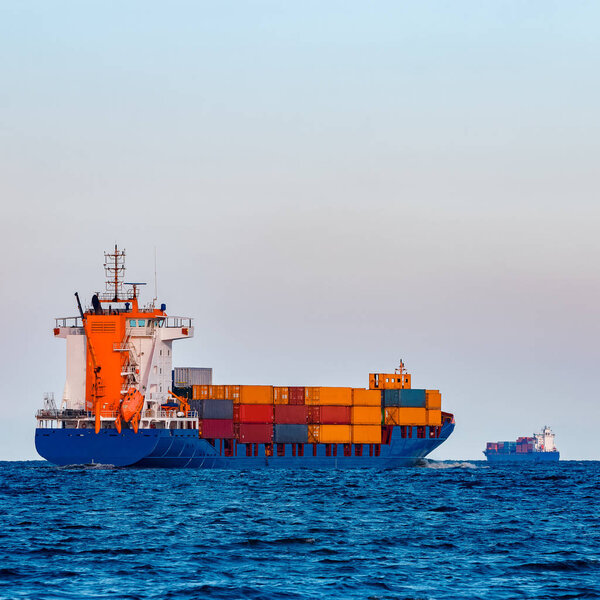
{"x":217,"y":409}
{"x":196,"y":405}
{"x":412,"y":398}
{"x":408,"y":398}
{"x":291,"y":434}
{"x":391,"y":397}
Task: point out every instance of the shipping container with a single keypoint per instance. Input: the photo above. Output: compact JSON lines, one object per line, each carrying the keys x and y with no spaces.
{"x":291,"y":434}
{"x":404,"y":398}
{"x":329,"y":396}
{"x":366,"y":415}
{"x":232,"y":392}
{"x":196,"y":405}
{"x":256,"y":394}
{"x":281,"y":395}
{"x":216,"y":392}
{"x":314,"y":433}
{"x":190,"y":376}
{"x":433,"y":399}
{"x":362,"y":397}
{"x":412,"y":416}
{"x":434,"y":417}
{"x":391,"y":415}
{"x":296,"y":395}
{"x":199,"y":392}
{"x":217,"y":409}
{"x":256,"y":433}
{"x":366,"y":434}
{"x":256,"y":413}
{"x":335,"y":434}
{"x":287,"y":413}
{"x":330,"y":415}
{"x":217,"y":428}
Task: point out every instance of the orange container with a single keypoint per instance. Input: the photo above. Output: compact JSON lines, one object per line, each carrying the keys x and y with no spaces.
{"x":256,"y":394}
{"x":200,"y":392}
{"x":362,"y":397}
{"x":329,"y":396}
{"x":366,"y":415}
{"x":391,"y":415}
{"x":366,"y":434}
{"x":335,"y":434}
{"x":434,"y":417}
{"x":313,"y":434}
{"x":216,"y":392}
{"x":232,"y":392}
{"x":281,"y":395}
{"x":412,"y":416}
{"x":433,"y":399}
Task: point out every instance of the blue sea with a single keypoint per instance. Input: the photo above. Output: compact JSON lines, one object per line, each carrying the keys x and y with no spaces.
{"x":440,"y":530}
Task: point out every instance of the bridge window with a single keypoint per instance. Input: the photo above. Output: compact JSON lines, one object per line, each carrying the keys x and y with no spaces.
{"x":131,"y":322}
{"x":141,"y":322}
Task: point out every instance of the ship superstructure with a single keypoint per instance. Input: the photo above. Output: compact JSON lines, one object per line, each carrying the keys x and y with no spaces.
{"x":119,"y":406}
{"x":539,"y":447}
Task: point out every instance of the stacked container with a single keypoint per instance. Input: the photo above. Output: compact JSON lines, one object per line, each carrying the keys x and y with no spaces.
{"x":255,"y":413}
{"x":366,"y":416}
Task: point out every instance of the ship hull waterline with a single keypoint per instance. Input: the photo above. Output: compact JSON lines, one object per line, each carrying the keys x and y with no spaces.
{"x":182,"y":448}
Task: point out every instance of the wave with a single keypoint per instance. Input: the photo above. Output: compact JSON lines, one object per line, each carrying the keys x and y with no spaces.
{"x":434,"y":464}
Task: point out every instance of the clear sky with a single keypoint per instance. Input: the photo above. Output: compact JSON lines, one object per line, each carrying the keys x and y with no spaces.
{"x":330,"y":186}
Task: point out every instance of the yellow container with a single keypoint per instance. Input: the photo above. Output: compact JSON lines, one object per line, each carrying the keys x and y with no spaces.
{"x":366,"y":434}
{"x":335,"y":434}
{"x":391,"y":415}
{"x":362,"y":397}
{"x":313,"y":434}
{"x":433,"y":399}
{"x":366,"y":415}
{"x":412,"y":416}
{"x":256,"y":394}
{"x":280,"y":395}
{"x":434,"y":417}
{"x":328,"y":396}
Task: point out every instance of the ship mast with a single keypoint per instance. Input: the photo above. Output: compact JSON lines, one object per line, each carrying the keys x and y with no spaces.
{"x":114,"y":268}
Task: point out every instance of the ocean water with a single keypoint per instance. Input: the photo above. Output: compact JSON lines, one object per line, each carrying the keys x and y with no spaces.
{"x":442,"y":530}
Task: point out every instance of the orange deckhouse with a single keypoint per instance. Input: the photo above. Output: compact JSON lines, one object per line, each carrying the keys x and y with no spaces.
{"x":118,"y":353}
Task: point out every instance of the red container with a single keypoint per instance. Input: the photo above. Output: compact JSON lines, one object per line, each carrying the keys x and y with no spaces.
{"x":335,"y":415}
{"x":255,"y":433}
{"x":256,"y":413}
{"x":296,"y":395}
{"x":291,"y":414}
{"x":217,"y":428}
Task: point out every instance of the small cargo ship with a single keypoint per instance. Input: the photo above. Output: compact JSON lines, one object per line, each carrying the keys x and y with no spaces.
{"x":122,"y":406}
{"x":538,"y":448}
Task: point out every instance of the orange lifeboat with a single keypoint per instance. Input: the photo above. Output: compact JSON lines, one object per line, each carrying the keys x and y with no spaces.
{"x":131,"y":407}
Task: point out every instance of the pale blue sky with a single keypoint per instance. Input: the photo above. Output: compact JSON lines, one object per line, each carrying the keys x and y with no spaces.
{"x":330,"y":187}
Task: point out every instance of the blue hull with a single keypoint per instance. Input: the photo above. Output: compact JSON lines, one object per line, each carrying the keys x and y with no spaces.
{"x":182,"y":448}
{"x":525,"y":458}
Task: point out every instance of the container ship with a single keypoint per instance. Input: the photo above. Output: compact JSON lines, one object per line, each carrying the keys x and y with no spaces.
{"x":538,"y":448}
{"x":121,"y":405}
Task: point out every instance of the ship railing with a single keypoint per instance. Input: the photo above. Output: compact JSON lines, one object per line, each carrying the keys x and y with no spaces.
{"x":169,"y":414}
{"x":177,"y":322}
{"x":68,"y":322}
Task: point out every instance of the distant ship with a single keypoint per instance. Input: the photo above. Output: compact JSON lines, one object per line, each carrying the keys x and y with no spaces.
{"x":539,"y":448}
{"x":122,"y":406}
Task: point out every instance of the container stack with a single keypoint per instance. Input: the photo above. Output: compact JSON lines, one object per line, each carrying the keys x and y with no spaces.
{"x":366,"y":416}
{"x":525,"y":445}
{"x":260,"y":414}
